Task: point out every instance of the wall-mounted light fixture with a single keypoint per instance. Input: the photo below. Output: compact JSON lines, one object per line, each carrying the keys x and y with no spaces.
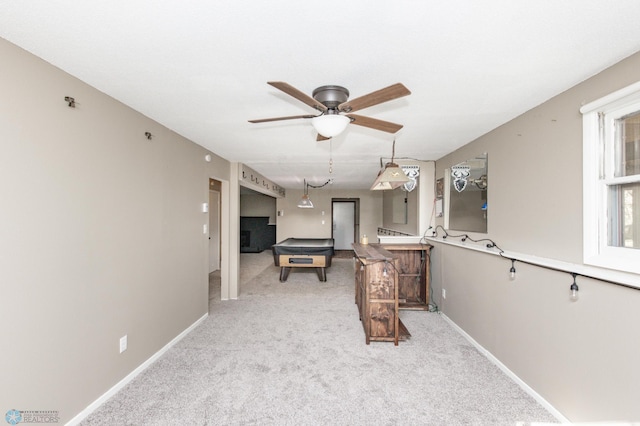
{"x":391,"y":177}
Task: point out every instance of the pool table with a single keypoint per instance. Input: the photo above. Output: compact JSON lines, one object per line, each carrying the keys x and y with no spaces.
{"x":303,"y":253}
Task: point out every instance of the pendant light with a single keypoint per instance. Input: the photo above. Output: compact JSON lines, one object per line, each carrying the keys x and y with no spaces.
{"x":391,"y":177}
{"x":305,"y":201}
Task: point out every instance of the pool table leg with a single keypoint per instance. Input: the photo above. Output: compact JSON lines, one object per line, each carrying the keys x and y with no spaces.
{"x":284,"y":273}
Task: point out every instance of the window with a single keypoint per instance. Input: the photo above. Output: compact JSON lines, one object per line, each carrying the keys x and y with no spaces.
{"x":612,"y":180}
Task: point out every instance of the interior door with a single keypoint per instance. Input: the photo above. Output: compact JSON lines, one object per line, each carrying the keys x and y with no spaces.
{"x":343,"y":222}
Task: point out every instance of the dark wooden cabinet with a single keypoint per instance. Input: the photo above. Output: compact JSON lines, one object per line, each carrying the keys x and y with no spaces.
{"x":413,"y":274}
{"x":376,"y":293}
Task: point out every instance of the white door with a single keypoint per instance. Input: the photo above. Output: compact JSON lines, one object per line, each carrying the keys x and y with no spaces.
{"x":214,"y":231}
{"x":344,"y":214}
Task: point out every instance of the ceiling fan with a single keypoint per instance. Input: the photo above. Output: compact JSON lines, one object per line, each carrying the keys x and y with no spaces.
{"x":336,"y":110}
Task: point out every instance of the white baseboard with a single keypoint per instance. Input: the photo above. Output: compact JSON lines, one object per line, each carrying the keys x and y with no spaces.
{"x":509,"y":373}
{"x":122,"y":383}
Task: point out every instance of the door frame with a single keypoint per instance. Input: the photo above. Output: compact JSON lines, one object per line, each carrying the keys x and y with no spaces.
{"x":356,"y":215}
{"x":215,"y":228}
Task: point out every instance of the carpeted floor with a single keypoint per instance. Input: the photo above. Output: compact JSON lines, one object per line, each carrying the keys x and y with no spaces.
{"x":294,"y":353}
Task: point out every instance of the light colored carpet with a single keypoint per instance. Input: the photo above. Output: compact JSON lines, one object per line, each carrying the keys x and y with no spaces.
{"x":294,"y":353}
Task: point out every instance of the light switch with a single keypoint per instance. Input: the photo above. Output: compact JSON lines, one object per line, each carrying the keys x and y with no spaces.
{"x":205,"y":207}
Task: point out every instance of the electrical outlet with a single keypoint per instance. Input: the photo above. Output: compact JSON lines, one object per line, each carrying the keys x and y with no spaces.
{"x":123,"y":343}
{"x":444,"y":293}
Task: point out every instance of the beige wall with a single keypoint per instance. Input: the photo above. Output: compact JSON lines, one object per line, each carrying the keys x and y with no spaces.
{"x":419,"y":201}
{"x":255,"y":205}
{"x":307,"y":223}
{"x":581,"y":357}
{"x":391,"y":208}
{"x":101,"y":235}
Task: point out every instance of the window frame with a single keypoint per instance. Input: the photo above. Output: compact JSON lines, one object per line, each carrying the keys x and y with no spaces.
{"x":598,"y":175}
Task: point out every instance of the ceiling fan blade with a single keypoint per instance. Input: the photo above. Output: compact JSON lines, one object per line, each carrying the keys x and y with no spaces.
{"x":301,"y":96}
{"x":292,"y":117}
{"x":321,"y":138}
{"x":374,"y":123}
{"x":374,"y":98}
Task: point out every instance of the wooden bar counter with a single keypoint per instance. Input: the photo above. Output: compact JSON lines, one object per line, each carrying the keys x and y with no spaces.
{"x":376,"y":293}
{"x":413,"y":274}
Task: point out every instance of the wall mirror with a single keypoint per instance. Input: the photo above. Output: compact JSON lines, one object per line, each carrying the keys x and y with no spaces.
{"x":466,"y":195}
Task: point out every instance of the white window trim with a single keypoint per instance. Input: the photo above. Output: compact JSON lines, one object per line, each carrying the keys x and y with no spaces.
{"x":596,"y":252}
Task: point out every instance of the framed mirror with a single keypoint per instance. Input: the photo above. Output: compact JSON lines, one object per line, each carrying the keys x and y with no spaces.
{"x":466,"y":189}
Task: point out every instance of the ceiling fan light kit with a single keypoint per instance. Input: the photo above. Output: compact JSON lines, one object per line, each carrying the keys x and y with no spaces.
{"x":330,"y":125}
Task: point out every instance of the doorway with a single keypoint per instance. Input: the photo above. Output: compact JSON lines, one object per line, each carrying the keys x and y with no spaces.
{"x":214,"y":225}
{"x":345,"y":222}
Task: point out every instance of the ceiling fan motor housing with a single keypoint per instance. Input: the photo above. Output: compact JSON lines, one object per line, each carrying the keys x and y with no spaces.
{"x":331,"y":96}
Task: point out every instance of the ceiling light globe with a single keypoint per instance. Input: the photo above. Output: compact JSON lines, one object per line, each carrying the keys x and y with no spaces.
{"x":330,"y":125}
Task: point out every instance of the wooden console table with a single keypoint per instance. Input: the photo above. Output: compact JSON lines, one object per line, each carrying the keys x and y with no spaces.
{"x":376,"y":293}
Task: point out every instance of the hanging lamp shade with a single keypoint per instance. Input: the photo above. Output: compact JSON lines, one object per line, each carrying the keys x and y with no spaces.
{"x":305,"y":202}
{"x":391,"y":177}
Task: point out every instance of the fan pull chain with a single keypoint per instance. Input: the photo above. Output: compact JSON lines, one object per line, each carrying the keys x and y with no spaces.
{"x":330,"y":155}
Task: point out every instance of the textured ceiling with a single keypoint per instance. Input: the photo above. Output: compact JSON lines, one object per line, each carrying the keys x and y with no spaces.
{"x":201,"y":68}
